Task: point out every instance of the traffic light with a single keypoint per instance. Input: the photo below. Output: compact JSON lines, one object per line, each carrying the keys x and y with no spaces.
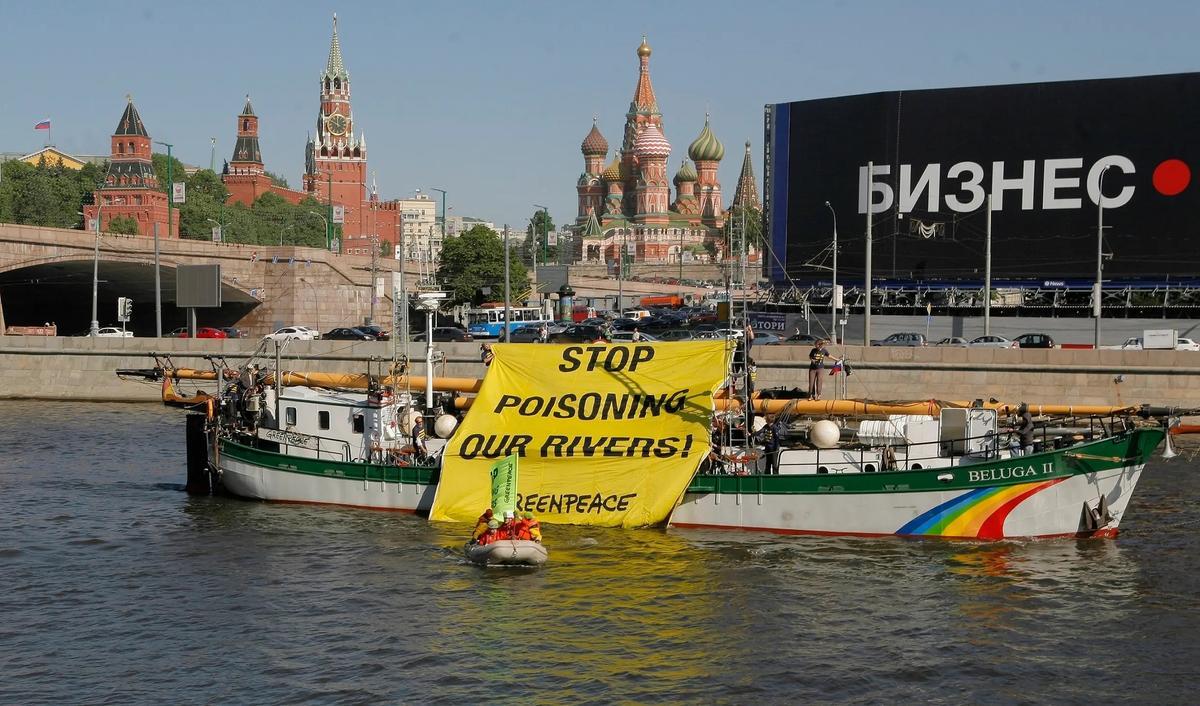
{"x":124,"y":308}
{"x":128,"y":309}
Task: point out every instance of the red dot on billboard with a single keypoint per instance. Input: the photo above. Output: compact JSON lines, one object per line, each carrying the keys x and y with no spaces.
{"x":1172,"y":177}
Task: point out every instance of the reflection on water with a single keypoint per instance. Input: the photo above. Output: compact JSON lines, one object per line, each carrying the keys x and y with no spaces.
{"x":120,"y":588}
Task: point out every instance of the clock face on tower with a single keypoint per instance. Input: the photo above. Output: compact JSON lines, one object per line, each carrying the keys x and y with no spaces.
{"x":336,"y":124}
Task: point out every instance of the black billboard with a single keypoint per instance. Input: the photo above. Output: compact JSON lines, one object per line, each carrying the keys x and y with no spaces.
{"x":930,"y":159}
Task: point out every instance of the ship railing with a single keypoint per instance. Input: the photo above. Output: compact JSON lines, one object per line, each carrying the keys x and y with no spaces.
{"x":338,"y":449}
{"x":903,"y":456}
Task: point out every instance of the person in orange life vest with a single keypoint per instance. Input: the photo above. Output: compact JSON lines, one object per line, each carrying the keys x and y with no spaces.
{"x":481,"y":525}
{"x":521,"y":527}
{"x":532,"y":527}
{"x":508,"y":530}
{"x":492,"y":534}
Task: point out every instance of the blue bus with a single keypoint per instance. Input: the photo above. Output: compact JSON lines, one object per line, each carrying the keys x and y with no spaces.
{"x":487,"y":322}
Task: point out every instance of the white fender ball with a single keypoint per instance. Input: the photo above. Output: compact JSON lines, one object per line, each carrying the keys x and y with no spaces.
{"x":444,"y":425}
{"x":824,"y":434}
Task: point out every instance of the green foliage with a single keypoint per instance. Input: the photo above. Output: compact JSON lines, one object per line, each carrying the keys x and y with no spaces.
{"x":178,"y":173}
{"x":46,"y":195}
{"x":753,"y":225}
{"x":474,"y":260}
{"x":386,"y":249}
{"x":276,"y":179}
{"x":124,"y":225}
{"x":537,"y":232}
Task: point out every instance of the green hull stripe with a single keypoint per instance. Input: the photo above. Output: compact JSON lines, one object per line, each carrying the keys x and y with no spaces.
{"x":1129,"y":449}
{"x":341,"y":470}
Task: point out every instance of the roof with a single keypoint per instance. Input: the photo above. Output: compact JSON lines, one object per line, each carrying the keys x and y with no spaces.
{"x":248,"y":109}
{"x":334,"y":67}
{"x":130,"y":122}
{"x":594,"y":143}
{"x":643,"y":96}
{"x":746,"y":193}
{"x":706,"y":147}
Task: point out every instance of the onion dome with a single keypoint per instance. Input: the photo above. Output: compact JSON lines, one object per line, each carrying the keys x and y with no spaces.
{"x":613,"y":171}
{"x":644,"y":48}
{"x":706,"y":147}
{"x":651,"y":143}
{"x":686,"y":172}
{"x":594,"y":143}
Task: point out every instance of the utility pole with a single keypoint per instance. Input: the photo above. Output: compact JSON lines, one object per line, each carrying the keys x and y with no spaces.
{"x":374,"y":265}
{"x":212,"y":155}
{"x":507,"y":291}
{"x":833,"y":297}
{"x":987,"y":274}
{"x":867,"y":308}
{"x":170,"y":228}
{"x":1099,"y":252}
{"x":95,"y":327}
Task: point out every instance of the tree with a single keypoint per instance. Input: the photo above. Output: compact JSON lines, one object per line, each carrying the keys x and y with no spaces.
{"x":753,"y":229}
{"x":178,"y":172}
{"x":124,"y":225}
{"x":385,"y":249}
{"x":474,"y":260}
{"x":276,"y":179}
{"x":538,"y":232}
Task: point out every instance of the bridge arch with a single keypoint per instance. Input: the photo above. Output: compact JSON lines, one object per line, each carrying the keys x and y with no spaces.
{"x":58,"y":289}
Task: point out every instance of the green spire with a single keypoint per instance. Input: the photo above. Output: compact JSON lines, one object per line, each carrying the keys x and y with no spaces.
{"x":335,"y":68}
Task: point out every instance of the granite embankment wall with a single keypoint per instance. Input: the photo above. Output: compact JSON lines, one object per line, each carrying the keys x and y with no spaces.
{"x":83,"y":369}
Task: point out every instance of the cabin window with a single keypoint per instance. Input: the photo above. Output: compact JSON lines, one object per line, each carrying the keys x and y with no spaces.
{"x":289,"y":416}
{"x":323,"y":419}
{"x":359,"y":425}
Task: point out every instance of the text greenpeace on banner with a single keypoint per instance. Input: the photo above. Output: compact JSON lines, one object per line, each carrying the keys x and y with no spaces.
{"x":606,"y":434}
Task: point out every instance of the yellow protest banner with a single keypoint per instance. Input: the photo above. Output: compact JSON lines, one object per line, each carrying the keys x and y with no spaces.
{"x":607,"y":434}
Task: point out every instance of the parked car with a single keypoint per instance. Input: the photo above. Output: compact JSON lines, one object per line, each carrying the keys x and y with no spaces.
{"x":953,"y":342}
{"x":525,"y":334}
{"x":292,"y":333}
{"x":447,"y":334}
{"x":1034,"y":340}
{"x":627,"y":337}
{"x":902,"y":339}
{"x":202,"y":332}
{"x":579,"y":333}
{"x":802,"y":338}
{"x":232,"y":332}
{"x":991,"y":342}
{"x":348,"y":334}
{"x":376,"y":331}
{"x":676,"y":334}
{"x":111,"y":332}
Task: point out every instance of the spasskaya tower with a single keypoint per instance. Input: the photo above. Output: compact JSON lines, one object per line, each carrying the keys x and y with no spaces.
{"x":336,"y":158}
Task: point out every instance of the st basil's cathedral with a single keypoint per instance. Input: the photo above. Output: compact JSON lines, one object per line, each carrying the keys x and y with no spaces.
{"x":627,"y":203}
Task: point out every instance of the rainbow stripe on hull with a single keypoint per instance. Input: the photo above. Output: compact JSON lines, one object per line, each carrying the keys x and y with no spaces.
{"x":976,"y":514}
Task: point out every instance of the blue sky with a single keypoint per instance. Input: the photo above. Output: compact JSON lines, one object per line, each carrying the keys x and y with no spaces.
{"x":490,"y":100}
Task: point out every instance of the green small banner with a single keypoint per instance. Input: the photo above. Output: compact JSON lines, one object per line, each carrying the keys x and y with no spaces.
{"x":504,"y":486}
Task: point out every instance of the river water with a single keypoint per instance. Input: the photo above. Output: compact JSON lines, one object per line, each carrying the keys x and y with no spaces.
{"x":116,"y":587}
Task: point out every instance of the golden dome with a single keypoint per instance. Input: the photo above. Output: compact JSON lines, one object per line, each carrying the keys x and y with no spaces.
{"x":644,"y":49}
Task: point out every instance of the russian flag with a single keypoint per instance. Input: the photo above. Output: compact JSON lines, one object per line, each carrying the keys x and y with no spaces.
{"x":44,"y":125}
{"x":837,"y":367}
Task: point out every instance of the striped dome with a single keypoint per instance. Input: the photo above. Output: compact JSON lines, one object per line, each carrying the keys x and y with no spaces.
{"x":594,"y":143}
{"x":686,"y":172}
{"x":706,"y":147}
{"x":652,"y":143}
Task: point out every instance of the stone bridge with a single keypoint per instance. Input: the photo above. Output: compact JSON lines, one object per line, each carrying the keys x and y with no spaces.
{"x":46,"y":276}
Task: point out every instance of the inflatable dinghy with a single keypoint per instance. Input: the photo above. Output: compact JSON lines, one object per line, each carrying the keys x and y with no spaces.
{"x":507,"y":552}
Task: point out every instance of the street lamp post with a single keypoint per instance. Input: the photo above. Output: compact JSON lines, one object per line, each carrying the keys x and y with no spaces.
{"x":867,"y":277}
{"x":170,"y":223}
{"x":219,"y":225}
{"x":326,"y":222}
{"x":443,"y":193}
{"x":833,"y":297}
{"x":1096,"y":311}
{"x":95,"y":327}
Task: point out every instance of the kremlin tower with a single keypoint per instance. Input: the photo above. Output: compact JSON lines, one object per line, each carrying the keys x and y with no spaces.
{"x":131,"y":188}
